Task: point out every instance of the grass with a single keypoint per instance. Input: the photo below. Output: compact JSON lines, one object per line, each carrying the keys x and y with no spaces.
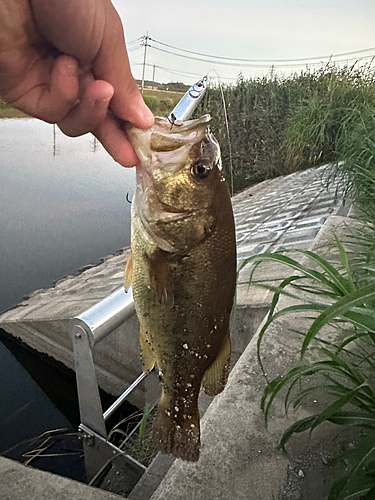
{"x":278,"y":125}
{"x":136,"y":440}
{"x":161,"y":102}
{"x":333,"y":121}
{"x":340,"y":297}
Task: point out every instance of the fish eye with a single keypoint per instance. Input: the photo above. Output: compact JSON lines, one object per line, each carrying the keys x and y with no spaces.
{"x":200,"y":169}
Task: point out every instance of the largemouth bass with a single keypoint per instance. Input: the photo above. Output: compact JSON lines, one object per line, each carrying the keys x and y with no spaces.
{"x":183,"y":272}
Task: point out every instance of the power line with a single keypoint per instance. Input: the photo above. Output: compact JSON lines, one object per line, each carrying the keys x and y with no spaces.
{"x":263,"y":60}
{"x":251,"y":65}
{"x":135,"y":41}
{"x":181,"y":73}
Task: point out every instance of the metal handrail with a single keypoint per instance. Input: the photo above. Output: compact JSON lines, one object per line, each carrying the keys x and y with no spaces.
{"x":107,"y":315}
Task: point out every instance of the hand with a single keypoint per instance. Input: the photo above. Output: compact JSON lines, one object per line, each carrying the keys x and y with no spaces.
{"x":65,"y":62}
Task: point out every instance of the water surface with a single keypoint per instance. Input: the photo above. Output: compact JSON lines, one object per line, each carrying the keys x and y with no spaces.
{"x":62,"y":206}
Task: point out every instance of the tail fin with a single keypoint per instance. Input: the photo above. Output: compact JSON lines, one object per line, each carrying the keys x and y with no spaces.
{"x":178,"y":431}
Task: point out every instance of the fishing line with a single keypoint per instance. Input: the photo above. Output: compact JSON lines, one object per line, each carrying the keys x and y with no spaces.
{"x":227,"y":128}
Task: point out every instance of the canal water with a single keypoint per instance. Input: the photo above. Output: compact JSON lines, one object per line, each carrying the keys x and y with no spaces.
{"x":62,"y":206}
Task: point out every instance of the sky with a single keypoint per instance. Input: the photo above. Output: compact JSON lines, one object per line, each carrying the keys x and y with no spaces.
{"x":246,"y":29}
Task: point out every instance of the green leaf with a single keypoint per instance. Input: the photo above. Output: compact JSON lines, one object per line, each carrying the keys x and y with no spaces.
{"x":335,"y":406}
{"x":305,"y":271}
{"x":343,"y":417}
{"x":341,"y":283}
{"x":345,"y":262}
{"x":342,"y":306}
{"x":299,"y":426}
{"x":356,"y":482}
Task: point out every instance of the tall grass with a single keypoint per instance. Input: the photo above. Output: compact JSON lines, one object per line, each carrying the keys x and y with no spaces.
{"x":278,"y":125}
{"x":356,"y":150}
{"x":345,"y":367}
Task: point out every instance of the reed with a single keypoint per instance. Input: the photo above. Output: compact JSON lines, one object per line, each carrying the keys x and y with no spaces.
{"x":278,"y":125}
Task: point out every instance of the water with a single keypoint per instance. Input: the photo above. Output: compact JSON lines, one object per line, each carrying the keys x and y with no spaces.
{"x":62,"y":206}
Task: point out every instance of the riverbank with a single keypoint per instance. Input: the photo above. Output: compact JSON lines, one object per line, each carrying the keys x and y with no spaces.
{"x":288,"y":212}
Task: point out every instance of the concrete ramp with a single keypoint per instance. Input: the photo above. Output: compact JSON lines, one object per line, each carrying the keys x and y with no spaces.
{"x":284,"y":212}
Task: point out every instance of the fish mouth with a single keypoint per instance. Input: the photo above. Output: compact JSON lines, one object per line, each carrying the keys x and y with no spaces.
{"x":164,"y":147}
{"x":170,"y":141}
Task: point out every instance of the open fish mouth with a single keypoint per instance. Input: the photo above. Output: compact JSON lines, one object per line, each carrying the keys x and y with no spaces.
{"x":164,"y":145}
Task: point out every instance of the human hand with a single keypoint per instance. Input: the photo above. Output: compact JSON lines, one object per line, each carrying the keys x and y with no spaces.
{"x":65,"y":62}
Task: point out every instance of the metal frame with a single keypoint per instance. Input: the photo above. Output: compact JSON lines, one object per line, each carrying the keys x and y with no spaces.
{"x":87,"y":330}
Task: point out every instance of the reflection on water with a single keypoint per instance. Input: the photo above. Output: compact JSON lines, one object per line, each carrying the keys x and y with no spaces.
{"x":62,"y":206}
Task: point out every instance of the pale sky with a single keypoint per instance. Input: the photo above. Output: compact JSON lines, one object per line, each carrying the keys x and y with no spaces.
{"x":247,"y":29}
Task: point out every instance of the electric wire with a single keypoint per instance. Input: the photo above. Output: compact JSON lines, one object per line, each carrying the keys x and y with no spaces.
{"x":264,"y":60}
{"x":251,"y":65}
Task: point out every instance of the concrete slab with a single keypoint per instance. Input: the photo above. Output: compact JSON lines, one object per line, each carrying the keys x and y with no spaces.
{"x":24,"y":483}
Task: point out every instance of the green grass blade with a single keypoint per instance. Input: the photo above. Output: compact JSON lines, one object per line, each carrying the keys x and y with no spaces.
{"x":345,"y":262}
{"x":336,"y":406}
{"x":299,"y":426}
{"x":343,"y":305}
{"x":344,"y":417}
{"x":341,"y":283}
{"x":355,"y":481}
{"x":305,"y":271}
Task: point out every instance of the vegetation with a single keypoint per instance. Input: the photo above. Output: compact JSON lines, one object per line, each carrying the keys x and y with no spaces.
{"x":161,"y":102}
{"x":340,"y":297}
{"x":7,"y":111}
{"x":134,"y":435}
{"x":345,"y":367}
{"x":278,"y":125}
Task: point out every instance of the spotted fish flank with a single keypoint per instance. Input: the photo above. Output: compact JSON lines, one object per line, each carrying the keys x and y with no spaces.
{"x":183,"y":272}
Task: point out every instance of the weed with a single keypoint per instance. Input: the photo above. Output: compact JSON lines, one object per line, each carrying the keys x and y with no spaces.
{"x":345,"y":370}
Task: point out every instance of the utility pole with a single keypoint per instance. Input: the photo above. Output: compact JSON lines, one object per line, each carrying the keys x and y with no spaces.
{"x":153,"y":74}
{"x":145,"y":44}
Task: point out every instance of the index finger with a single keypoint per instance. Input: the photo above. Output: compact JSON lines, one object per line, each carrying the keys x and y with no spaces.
{"x":112,"y":65}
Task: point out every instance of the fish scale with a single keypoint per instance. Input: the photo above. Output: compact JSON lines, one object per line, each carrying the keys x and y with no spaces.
{"x":183,"y":272}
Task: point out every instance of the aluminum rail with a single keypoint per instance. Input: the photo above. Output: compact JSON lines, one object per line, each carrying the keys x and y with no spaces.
{"x":107,"y":315}
{"x":123,"y":396}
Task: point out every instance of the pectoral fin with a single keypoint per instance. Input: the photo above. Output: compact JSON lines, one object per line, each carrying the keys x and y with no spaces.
{"x":216,"y":375}
{"x":147,"y":354}
{"x":161,"y":278}
{"x":128,"y":272}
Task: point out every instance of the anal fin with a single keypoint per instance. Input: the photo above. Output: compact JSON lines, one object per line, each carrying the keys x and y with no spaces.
{"x":147,"y":354}
{"x":216,"y":375}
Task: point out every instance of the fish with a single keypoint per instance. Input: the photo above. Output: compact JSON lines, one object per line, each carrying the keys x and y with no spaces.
{"x":182,"y":271}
